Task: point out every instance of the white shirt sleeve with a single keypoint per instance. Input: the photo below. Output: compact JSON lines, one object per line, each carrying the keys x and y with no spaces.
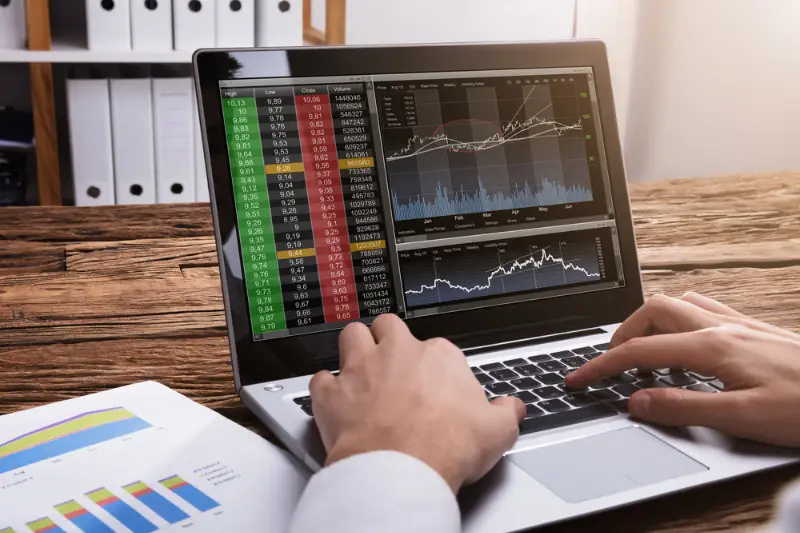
{"x":382,"y":491}
{"x":787,"y":518}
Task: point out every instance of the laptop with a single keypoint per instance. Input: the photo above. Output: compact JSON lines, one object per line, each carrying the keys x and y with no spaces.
{"x":477,"y":191}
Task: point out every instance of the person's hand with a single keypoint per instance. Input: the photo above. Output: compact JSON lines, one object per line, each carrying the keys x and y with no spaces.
{"x":758,"y":363}
{"x":397,"y":393}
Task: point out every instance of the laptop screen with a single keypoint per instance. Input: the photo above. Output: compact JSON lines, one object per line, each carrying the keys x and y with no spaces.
{"x":416,"y":194}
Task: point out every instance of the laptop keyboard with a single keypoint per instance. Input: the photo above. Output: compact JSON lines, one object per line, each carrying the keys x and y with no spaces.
{"x":539,"y":382}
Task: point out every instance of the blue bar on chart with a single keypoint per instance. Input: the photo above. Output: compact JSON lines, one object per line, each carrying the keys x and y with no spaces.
{"x":82,"y":518}
{"x":155,"y":501}
{"x":120,"y":510}
{"x":198,"y":499}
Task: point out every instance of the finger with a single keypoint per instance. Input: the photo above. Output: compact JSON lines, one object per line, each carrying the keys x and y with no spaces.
{"x":711,"y":305}
{"x":321,"y":383}
{"x":698,"y":350}
{"x":679,"y":407}
{"x":355,"y":340}
{"x":736,"y":317}
{"x":388,"y":327}
{"x":662,"y":314}
{"x":512,"y":407}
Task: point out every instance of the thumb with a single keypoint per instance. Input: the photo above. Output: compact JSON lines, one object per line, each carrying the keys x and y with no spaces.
{"x":513,"y":407}
{"x":679,"y":407}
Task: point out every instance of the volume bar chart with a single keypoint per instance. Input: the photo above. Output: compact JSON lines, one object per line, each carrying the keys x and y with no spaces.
{"x":130,"y":517}
{"x":197,"y":498}
{"x":156,"y":502}
{"x":44,"y":525}
{"x":82,"y":518}
{"x":68,"y":435}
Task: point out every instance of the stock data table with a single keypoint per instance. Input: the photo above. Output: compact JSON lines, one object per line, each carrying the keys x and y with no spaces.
{"x":94,"y":298}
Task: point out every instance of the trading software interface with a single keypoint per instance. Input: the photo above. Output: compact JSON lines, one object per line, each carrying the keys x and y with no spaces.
{"x":416,"y":194}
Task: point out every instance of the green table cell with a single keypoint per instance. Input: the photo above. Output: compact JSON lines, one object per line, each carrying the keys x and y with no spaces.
{"x":254,"y":214}
{"x":268,"y":327}
{"x":274,"y":289}
{"x":263,"y":231}
{"x":246,"y":172}
{"x":236,"y":112}
{"x":258,"y":196}
{"x":258,"y":248}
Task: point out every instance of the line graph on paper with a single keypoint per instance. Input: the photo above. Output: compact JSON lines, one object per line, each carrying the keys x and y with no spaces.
{"x":484,"y":147}
{"x":465,"y":272}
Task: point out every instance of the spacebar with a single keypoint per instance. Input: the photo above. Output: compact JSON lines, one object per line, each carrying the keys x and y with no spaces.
{"x":566,"y":418}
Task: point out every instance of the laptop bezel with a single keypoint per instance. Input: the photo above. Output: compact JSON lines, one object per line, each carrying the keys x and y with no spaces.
{"x":273,"y":360}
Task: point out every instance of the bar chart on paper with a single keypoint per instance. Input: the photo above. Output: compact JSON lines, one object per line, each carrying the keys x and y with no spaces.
{"x":140,"y":459}
{"x":68,"y":435}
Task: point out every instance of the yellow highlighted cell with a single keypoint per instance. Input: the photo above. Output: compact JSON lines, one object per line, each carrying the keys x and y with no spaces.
{"x":361,"y":162}
{"x":283,"y":169}
{"x":369,"y":245}
{"x":291,"y":254}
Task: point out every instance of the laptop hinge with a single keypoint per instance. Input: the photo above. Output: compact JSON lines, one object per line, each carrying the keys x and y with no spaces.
{"x":518,"y":343}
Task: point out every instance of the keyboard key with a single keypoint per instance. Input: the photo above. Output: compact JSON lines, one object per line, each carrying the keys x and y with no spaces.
{"x":526,"y":396}
{"x":553,"y":406}
{"x":500,"y":388}
{"x":531,"y":411}
{"x":492,"y":366}
{"x":625,"y":391}
{"x":548,"y":393}
{"x":552,"y":366}
{"x":488,"y":394}
{"x":586,"y":350}
{"x":702,"y":387}
{"x":525,"y":383}
{"x":483,"y":379}
{"x":604,"y":383}
{"x":622,"y":379}
{"x":701,"y":377}
{"x":565,"y":373}
{"x":641,"y":374}
{"x":574,"y":362}
{"x":302,"y":400}
{"x":550,"y":379}
{"x":620,"y":405}
{"x":529,"y":370}
{"x":591,"y":356}
{"x":650,"y":383}
{"x":515,"y":362}
{"x":565,"y":418}
{"x":562,"y":354}
{"x":307,"y":409}
{"x":475,"y":369}
{"x":716,"y":383}
{"x":540,"y":358}
{"x":578,"y":400}
{"x":604,"y":395}
{"x":602,"y":347}
{"x":504,"y":375}
{"x":677,"y":380}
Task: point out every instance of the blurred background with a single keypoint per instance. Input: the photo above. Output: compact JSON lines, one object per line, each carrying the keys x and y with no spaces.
{"x":702,"y":87}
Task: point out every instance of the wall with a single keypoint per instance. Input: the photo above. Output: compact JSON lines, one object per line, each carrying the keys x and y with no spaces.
{"x":409,"y":21}
{"x":711,"y":85}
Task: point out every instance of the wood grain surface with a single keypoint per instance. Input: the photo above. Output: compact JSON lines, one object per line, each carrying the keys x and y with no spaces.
{"x":94,"y":298}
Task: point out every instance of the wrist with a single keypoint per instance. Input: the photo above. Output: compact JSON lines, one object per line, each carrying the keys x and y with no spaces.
{"x":442,"y":463}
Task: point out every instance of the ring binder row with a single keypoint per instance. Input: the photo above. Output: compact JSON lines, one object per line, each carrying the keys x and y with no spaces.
{"x":135,"y":141}
{"x":162,"y":25}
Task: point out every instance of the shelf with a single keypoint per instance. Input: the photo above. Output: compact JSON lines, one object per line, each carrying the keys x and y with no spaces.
{"x":73,"y":51}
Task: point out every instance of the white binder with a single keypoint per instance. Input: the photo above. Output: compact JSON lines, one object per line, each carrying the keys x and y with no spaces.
{"x":279,"y":23}
{"x":108,"y":24}
{"x":236,"y":23}
{"x":195,"y":24}
{"x":200,"y":181}
{"x":132,"y":134}
{"x":151,"y":25}
{"x":12,"y":24}
{"x":89,"y":111}
{"x":174,"y":119}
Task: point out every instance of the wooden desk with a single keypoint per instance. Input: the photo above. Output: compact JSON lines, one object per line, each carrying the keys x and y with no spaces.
{"x":94,"y":298}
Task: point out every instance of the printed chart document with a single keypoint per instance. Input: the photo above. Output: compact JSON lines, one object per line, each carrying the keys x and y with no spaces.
{"x":139,"y":459}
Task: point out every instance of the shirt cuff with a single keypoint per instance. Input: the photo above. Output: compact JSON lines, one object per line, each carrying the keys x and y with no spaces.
{"x":383,"y":491}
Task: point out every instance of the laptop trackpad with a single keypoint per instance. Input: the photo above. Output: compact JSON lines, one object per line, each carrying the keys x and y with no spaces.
{"x":603,"y":464}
